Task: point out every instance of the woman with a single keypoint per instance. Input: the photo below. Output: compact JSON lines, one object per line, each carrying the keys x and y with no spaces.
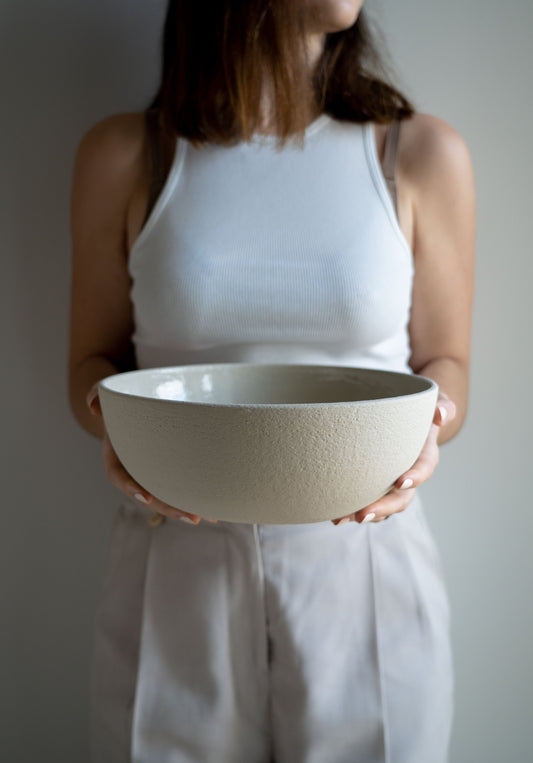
{"x":203,"y":232}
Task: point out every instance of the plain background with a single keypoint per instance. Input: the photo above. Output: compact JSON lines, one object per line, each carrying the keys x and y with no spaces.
{"x":65,"y":65}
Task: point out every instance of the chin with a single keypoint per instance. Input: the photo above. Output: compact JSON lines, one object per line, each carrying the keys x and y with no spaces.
{"x":328,"y":16}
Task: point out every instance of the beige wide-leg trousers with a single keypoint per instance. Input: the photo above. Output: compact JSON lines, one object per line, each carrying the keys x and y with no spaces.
{"x":235,"y":643}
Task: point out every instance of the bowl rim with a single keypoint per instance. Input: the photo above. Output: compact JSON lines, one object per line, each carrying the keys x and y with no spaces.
{"x":106,"y":382}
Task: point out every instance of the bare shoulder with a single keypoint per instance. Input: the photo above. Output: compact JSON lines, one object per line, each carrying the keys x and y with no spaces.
{"x":111,"y":154}
{"x":433,"y":153}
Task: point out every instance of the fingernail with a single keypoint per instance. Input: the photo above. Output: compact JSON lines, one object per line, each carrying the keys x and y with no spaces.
{"x":188,"y":520}
{"x":443,"y":413}
{"x":368,"y":518}
{"x":406,"y":484}
{"x":140,"y":497}
{"x":343,"y":521}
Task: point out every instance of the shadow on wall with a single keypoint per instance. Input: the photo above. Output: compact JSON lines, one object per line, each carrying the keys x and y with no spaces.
{"x":64,"y":65}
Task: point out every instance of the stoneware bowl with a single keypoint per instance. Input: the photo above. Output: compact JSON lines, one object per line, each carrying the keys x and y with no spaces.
{"x":269,"y":444}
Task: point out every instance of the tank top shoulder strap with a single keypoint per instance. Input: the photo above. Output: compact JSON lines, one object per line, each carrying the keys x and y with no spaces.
{"x":392,"y":140}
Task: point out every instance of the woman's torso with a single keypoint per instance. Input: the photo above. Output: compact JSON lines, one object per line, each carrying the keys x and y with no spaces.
{"x":255,"y":255}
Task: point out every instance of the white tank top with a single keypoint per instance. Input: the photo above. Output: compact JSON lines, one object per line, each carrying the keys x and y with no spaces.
{"x":252,"y":254}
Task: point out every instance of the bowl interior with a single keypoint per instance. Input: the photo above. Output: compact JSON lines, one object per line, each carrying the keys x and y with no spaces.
{"x":252,"y":384}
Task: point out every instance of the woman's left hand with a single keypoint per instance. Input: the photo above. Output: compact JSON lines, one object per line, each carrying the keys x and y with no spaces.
{"x":403,"y":491}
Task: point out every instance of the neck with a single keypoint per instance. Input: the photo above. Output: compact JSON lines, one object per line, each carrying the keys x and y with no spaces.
{"x":314,"y":48}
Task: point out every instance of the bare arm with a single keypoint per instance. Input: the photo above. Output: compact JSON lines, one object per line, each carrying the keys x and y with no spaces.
{"x":108,"y":168}
{"x":109,"y":192}
{"x":438,"y":175}
{"x":436,"y":187}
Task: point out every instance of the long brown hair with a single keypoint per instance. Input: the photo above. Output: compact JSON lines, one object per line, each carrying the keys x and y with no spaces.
{"x":216,"y":54}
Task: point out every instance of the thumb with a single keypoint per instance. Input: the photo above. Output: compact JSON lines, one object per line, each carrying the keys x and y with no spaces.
{"x":93,"y":401}
{"x":445,"y":411}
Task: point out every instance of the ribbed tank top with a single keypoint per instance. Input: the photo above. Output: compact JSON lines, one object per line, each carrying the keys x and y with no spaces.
{"x":260,"y":255}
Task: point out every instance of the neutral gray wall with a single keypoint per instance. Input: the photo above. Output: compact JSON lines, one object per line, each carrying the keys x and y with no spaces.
{"x":470,"y":62}
{"x":67,"y":63}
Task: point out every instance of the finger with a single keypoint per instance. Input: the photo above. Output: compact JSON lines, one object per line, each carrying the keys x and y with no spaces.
{"x":425,"y":464}
{"x":391,"y":503}
{"x":445,"y":411}
{"x":343,"y":520}
{"x":123,"y":480}
{"x":175,"y":513}
{"x":401,"y":495}
{"x":119,"y":477}
{"x":394,"y":502}
{"x":93,"y":401}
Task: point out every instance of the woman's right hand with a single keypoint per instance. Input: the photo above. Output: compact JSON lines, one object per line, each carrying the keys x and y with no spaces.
{"x":121,"y":479}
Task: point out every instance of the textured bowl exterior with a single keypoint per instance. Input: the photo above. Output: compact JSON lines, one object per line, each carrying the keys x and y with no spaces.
{"x":268,"y":464}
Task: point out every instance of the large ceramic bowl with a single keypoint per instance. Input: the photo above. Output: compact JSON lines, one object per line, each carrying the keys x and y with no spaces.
{"x":271,"y":444}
